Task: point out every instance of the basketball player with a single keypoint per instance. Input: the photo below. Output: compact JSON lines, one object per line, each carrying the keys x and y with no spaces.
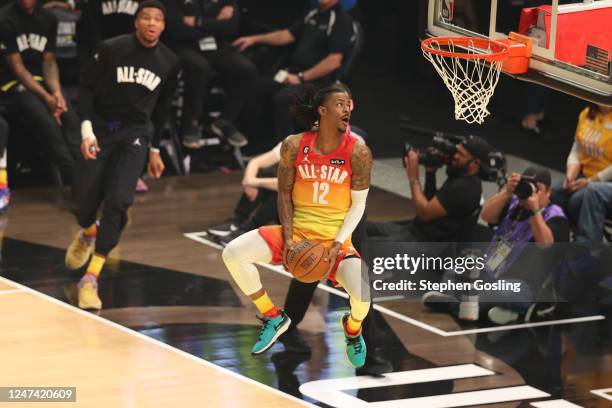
{"x":129,"y":77}
{"x":323,"y":182}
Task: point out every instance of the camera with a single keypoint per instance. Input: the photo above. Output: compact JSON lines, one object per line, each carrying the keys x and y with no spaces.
{"x":494,"y":169}
{"x":526,"y":187}
{"x":439,"y":153}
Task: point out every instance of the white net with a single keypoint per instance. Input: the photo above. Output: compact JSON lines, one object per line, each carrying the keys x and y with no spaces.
{"x":471,"y":81}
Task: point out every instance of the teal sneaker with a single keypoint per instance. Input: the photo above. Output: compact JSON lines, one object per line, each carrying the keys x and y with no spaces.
{"x":270,"y":331}
{"x":355,"y":346}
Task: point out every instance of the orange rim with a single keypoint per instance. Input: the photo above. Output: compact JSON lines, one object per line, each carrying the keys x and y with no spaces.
{"x":498,"y":50}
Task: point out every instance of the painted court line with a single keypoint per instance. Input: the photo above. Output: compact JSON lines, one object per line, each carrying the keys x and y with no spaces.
{"x":10,"y":291}
{"x":466,"y":399}
{"x":199,"y":237}
{"x":331,"y":392}
{"x":157,"y":342}
{"x":605,"y":393}
{"x":339,"y":392}
{"x":525,"y":325}
{"x":558,"y":403}
{"x":399,"y":378}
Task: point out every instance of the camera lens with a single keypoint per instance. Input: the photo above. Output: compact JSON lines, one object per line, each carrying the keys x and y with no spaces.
{"x":524,"y":189}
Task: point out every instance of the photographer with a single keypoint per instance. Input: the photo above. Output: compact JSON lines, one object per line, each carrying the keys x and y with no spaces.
{"x":523,"y":213}
{"x":441,"y":215}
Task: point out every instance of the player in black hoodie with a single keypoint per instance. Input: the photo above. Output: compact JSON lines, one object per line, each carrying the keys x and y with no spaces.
{"x":129,"y":83}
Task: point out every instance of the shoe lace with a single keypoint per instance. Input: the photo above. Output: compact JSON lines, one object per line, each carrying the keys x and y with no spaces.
{"x":355,"y":343}
{"x":84,"y":243}
{"x":266,"y":322}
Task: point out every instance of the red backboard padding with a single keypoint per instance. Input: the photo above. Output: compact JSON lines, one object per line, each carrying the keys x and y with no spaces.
{"x":575,"y":31}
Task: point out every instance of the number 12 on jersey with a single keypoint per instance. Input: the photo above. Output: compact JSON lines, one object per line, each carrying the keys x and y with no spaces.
{"x":319,"y":192}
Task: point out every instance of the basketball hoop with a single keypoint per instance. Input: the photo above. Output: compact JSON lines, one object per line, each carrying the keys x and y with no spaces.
{"x":470,"y":68}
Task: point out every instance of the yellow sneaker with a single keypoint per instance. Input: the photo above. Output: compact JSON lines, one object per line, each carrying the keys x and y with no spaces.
{"x":88,"y":295}
{"x":79,"y":251}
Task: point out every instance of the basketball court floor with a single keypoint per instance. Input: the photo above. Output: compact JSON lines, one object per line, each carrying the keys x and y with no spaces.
{"x":175,"y":331}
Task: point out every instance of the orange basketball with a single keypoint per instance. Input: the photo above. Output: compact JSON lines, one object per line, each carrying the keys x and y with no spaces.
{"x":306,"y":263}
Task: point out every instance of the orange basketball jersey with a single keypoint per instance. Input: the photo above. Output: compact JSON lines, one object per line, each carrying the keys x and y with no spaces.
{"x":322,"y":189}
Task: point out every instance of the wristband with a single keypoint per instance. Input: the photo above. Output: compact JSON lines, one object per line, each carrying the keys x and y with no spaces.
{"x":536,"y":211}
{"x":154,"y":150}
{"x":415,"y":181}
{"x":87,"y":130}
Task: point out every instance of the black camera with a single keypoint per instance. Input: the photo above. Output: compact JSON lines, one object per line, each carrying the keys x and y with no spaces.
{"x":526,"y":187}
{"x":494,"y":169}
{"x":440,"y":153}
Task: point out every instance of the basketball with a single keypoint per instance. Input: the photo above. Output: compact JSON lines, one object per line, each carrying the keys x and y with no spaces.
{"x":306,"y":261}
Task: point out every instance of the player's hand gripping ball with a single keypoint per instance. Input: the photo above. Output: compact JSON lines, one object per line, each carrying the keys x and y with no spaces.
{"x":306,"y":262}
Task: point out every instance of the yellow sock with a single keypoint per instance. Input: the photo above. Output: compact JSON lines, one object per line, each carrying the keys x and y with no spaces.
{"x":3,"y":178}
{"x":95,"y":265}
{"x":91,"y":230}
{"x":352,"y":325}
{"x":265,"y":306}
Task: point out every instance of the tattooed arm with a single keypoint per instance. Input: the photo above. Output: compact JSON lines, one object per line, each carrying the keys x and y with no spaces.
{"x":361,"y":165}
{"x":286,"y":177}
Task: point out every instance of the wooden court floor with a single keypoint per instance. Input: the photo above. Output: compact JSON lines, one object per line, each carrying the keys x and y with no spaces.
{"x":139,"y":350}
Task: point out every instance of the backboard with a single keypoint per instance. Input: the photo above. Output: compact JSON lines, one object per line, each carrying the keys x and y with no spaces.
{"x":572,"y":41}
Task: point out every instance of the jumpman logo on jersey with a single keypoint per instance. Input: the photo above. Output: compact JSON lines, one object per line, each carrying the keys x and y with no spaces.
{"x":305,"y":159}
{"x":137,"y":142}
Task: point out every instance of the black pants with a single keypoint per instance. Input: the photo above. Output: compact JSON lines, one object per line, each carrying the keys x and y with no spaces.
{"x":263,"y":210}
{"x":4,"y":131}
{"x":236,"y":70}
{"x":111,"y":179}
{"x":300,"y":294}
{"x":61,"y":143}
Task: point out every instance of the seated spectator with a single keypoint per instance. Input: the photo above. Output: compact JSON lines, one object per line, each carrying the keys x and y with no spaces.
{"x":509,"y":255}
{"x":441,"y":215}
{"x":257,"y":205}
{"x":200,"y":34}
{"x":29,"y":78}
{"x":586,"y":191}
{"x":322,"y":39}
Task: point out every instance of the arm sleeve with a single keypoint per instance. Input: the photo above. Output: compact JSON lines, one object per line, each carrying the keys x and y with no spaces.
{"x":161,"y":112}
{"x":89,"y":77}
{"x":355,"y":212}
{"x":223,"y":28}
{"x":573,"y":157}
